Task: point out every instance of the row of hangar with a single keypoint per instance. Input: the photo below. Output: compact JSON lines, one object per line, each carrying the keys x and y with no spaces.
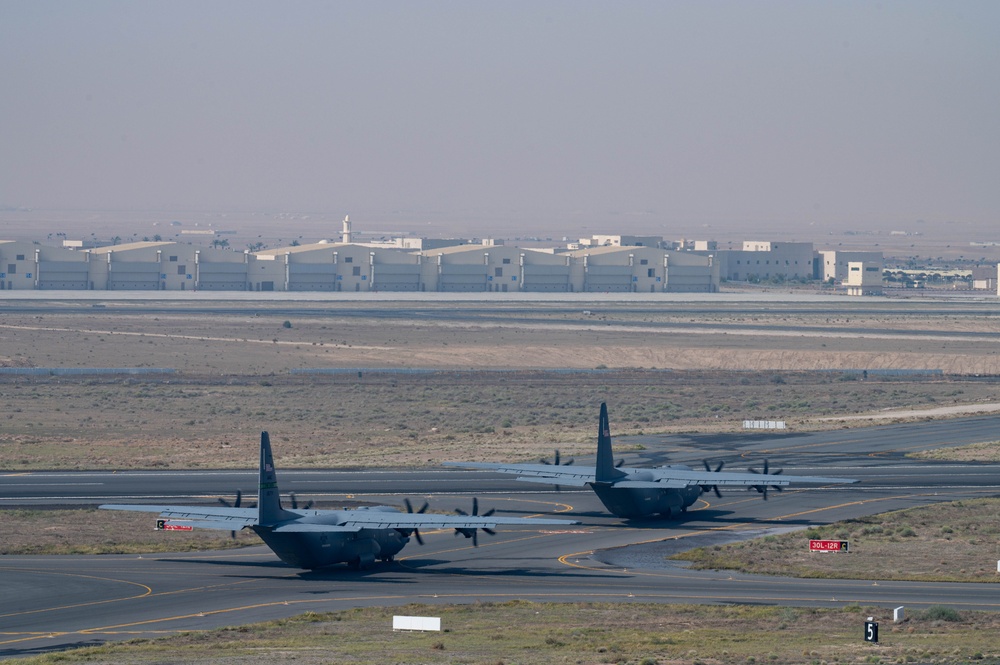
{"x":355,"y":267}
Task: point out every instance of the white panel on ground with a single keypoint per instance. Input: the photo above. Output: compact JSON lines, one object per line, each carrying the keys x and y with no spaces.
{"x":763,"y":424}
{"x":416,"y":623}
{"x":898,"y":616}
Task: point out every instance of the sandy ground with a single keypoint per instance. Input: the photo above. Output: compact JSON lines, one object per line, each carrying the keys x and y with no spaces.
{"x":955,"y":338}
{"x":662,"y":366}
{"x":958,"y":410}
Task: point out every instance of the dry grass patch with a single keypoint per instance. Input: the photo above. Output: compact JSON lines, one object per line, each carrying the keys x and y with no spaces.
{"x":537,"y":634}
{"x":92,"y":531}
{"x":954,"y":542}
{"x":383,"y":419}
{"x":988,"y":451}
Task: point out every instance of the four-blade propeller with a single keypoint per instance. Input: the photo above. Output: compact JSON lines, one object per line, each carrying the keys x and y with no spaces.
{"x":762,"y":489}
{"x":556,"y":461}
{"x":409,"y":508}
{"x":235,"y":504}
{"x":295,"y":502}
{"x":471,"y":532}
{"x":712,"y":488}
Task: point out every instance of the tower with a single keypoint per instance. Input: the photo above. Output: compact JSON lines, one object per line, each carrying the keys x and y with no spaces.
{"x":347,"y":229}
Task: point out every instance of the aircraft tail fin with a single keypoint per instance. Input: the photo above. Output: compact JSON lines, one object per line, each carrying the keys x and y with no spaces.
{"x":606,"y":471}
{"x":269,"y":510}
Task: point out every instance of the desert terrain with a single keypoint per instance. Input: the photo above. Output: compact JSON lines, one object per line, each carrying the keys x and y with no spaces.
{"x":354,"y":384}
{"x":420,"y":382}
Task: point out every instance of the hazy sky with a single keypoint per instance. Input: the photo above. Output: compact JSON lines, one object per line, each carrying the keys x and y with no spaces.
{"x":674,"y":111}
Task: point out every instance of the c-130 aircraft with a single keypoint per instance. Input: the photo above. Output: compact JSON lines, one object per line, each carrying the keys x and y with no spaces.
{"x":645,"y":493}
{"x":318,"y":538}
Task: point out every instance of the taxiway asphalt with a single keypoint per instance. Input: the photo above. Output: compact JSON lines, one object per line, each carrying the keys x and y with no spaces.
{"x":52,"y":602}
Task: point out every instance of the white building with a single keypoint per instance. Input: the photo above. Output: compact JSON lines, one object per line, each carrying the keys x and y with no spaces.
{"x":621,"y":241}
{"x":335,"y":267}
{"x":864,"y":278}
{"x":642,"y":270}
{"x":767,"y":260}
{"x":22,"y":265}
{"x":984,"y":277}
{"x":834,"y":263}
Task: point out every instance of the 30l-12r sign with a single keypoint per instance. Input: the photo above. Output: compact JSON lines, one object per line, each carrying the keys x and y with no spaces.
{"x":828,"y":546}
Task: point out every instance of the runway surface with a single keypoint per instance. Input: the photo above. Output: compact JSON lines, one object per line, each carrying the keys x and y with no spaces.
{"x":56,"y":602}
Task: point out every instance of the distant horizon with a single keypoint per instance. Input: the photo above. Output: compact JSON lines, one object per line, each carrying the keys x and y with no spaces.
{"x":556,"y":114}
{"x":282,"y":228}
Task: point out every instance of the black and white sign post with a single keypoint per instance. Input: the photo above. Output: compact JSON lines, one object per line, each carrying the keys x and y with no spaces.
{"x":871,"y":630}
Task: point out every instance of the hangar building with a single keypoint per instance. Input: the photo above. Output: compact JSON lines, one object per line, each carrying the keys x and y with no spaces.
{"x":165,"y":265}
{"x":335,"y":267}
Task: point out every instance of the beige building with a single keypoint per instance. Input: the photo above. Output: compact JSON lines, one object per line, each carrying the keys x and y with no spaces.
{"x":25,"y":265}
{"x":610,"y":269}
{"x":138,"y":266}
{"x":642,"y":270}
{"x":499,"y":268}
{"x":834,"y":263}
{"x":166,"y":266}
{"x":335,"y":267}
{"x":354,"y":267}
{"x":143,"y":266}
{"x":985,"y":278}
{"x":864,"y":278}
{"x":620,"y":241}
{"x":768,"y":260}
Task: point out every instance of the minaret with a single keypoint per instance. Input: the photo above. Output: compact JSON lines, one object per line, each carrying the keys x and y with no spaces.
{"x":347,"y":229}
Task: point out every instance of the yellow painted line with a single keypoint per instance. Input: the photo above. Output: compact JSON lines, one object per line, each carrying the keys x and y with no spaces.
{"x":147,"y":591}
{"x":194,"y":615}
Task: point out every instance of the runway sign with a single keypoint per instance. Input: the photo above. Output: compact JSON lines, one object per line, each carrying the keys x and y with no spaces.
{"x":164,"y":525}
{"x":871,"y":630}
{"x":829,"y":546}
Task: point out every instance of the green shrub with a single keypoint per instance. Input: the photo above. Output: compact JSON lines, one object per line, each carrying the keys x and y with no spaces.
{"x":940,"y":613}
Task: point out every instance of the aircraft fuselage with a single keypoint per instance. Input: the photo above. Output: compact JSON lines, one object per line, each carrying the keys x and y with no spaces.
{"x":637,"y":503}
{"x":319,"y":549}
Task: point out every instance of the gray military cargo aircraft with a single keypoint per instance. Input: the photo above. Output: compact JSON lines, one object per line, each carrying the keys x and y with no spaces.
{"x":318,"y":538}
{"x":645,"y":493}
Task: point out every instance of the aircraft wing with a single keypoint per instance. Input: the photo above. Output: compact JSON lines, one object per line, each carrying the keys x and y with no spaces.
{"x":686,"y":478}
{"x":207,"y":517}
{"x":206,"y":524}
{"x":545,"y":473}
{"x":375,"y":520}
{"x":559,"y":480}
{"x":662,"y":478}
{"x":308,"y":527}
{"x":665,"y":483}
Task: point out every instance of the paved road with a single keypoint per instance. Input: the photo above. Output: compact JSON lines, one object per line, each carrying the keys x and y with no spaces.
{"x":630,"y":312}
{"x":54,"y":602}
